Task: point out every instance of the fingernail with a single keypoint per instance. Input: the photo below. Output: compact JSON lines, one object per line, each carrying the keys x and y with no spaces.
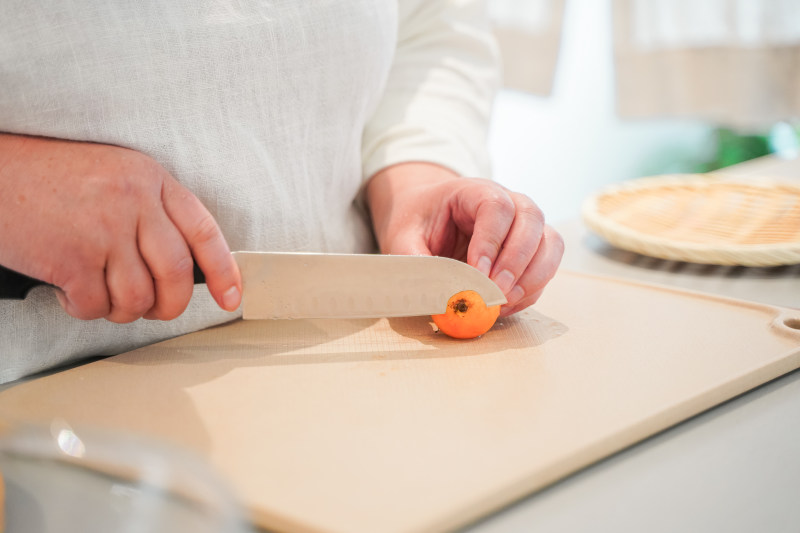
{"x":516,"y":294}
{"x":485,"y":265}
{"x":504,"y":280}
{"x":231,"y":299}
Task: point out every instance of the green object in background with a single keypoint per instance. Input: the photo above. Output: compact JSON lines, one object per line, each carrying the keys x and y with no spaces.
{"x":782,"y":139}
{"x":724,"y":147}
{"x":733,"y":148}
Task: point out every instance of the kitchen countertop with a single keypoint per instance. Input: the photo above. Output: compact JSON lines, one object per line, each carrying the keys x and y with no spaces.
{"x":734,"y":468}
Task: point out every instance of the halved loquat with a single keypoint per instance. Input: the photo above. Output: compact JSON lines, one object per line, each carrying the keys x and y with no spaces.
{"x":467,"y":316}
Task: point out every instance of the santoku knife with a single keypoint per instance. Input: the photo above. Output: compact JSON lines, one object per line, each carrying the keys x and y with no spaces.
{"x":315,"y":285}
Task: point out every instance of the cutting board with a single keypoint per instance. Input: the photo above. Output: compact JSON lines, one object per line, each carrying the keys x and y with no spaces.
{"x":387,"y":425}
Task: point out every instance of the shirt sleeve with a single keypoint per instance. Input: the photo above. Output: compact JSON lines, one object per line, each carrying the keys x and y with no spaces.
{"x":439,"y":93}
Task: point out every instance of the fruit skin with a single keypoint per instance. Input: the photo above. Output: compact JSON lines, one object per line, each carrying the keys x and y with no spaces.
{"x":467,"y":316}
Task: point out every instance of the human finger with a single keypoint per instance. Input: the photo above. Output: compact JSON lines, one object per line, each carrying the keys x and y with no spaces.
{"x":170,"y":264}
{"x":490,"y":210}
{"x":84,"y":295}
{"x":130,"y":286}
{"x":520,"y":244}
{"x":206,"y":242}
{"x":507,"y":310}
{"x":539,"y":272}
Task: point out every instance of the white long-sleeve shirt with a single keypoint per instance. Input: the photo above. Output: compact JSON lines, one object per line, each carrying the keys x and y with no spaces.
{"x":272,"y":113}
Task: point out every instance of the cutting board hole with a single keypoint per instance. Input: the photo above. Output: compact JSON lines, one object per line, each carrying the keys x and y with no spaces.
{"x":793,"y":323}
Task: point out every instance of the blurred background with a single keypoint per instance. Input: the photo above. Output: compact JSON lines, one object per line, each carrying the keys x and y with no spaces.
{"x":601,"y":91}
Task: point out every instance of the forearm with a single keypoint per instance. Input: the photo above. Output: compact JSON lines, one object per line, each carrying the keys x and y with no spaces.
{"x":10,"y":145}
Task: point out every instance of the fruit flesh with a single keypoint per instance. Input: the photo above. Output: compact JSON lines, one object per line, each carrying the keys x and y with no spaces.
{"x":467,"y":316}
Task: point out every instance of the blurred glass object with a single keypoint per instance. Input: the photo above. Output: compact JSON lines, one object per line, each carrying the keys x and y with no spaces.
{"x":60,"y":479}
{"x":784,"y":140}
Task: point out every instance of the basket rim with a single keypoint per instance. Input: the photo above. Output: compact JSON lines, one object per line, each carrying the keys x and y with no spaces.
{"x":628,"y":238}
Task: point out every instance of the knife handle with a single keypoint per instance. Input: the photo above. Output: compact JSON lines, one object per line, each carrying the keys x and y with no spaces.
{"x":16,"y":286}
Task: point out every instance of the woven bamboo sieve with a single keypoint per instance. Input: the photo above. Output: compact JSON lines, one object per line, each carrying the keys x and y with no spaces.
{"x":701,"y":219}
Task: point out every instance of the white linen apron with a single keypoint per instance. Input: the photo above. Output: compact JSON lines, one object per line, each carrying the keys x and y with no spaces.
{"x":271,"y":112}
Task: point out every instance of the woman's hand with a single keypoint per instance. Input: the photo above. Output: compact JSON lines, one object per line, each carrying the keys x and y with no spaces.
{"x":424,"y":209}
{"x":110,"y":228}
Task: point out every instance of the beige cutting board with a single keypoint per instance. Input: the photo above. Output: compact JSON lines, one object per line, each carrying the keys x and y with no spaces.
{"x":387,"y":426}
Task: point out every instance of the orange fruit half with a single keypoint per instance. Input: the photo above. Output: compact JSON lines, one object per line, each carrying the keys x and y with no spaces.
{"x":467,"y":316}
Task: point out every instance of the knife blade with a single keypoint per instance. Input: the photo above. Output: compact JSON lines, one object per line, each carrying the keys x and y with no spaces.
{"x":316,"y":285}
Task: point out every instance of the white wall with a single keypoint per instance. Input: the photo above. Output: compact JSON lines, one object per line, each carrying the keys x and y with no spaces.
{"x":561,"y":149}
